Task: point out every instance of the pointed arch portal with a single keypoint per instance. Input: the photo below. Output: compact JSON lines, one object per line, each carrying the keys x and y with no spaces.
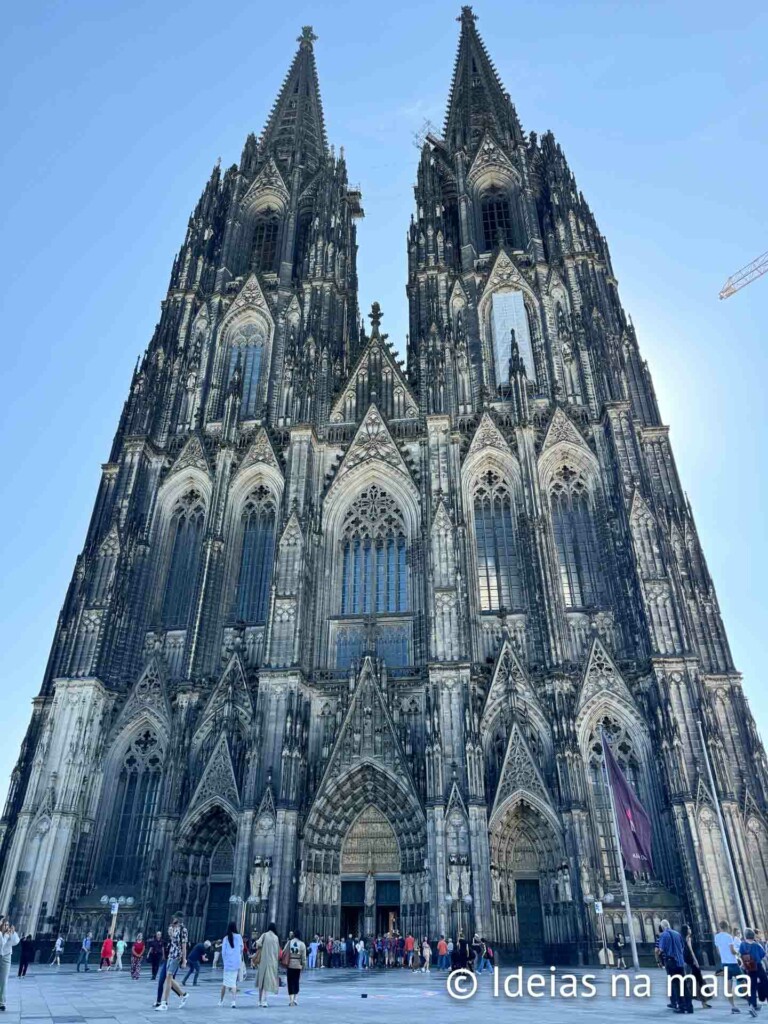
{"x":532,"y":904}
{"x":364,"y":849}
{"x":204,"y":866}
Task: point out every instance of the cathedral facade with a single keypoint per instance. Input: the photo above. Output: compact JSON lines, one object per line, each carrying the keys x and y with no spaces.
{"x":344,"y":631}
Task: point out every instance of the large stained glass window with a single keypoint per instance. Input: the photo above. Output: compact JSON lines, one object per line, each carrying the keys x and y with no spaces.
{"x":374,"y":556}
{"x":257,"y":557}
{"x":134,"y":809}
{"x":246,"y":350}
{"x":186,"y":541}
{"x":498,"y":563}
{"x":575,"y":540}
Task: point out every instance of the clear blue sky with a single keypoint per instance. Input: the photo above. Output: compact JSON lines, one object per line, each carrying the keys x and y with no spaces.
{"x":116,"y":112}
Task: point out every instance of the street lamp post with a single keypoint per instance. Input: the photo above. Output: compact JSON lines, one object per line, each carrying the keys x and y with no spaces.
{"x":600,"y":915}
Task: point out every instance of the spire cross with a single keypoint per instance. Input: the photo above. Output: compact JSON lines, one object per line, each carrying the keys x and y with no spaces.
{"x":307,"y":37}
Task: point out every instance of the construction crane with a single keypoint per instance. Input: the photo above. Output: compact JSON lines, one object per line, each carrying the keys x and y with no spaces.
{"x":745,"y":276}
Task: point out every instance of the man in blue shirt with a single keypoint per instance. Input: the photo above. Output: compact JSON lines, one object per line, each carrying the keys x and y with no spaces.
{"x":752,"y":955}
{"x":85,"y":952}
{"x":671,"y":947}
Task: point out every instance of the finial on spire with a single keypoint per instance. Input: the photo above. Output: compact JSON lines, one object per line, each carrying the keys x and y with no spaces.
{"x":375,"y":317}
{"x":307,"y":37}
{"x":467,"y":16}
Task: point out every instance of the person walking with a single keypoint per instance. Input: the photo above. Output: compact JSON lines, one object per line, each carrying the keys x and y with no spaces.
{"x":137,"y":952}
{"x":618,"y":953}
{"x":297,"y":961}
{"x":426,"y":955}
{"x":692,"y":965}
{"x":232,"y":959}
{"x":671,"y":946}
{"x":313,"y":948}
{"x":85,"y":952}
{"x":58,"y":949}
{"x":8,"y":939}
{"x":197,"y":956}
{"x":442,"y":953}
{"x":723,"y":940}
{"x":119,"y":950}
{"x":155,"y":954}
{"x":107,"y":949}
{"x":752,"y":955}
{"x":477,"y":949}
{"x":26,"y":955}
{"x":178,"y":940}
{"x":266,"y":958}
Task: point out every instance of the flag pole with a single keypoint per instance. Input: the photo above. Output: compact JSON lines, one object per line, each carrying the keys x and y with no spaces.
{"x":622,"y":875}
{"x":724,"y":838}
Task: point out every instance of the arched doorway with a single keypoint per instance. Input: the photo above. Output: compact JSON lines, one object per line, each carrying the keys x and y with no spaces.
{"x":203,"y":870}
{"x":532,"y":904}
{"x":365,"y":818}
{"x":370,"y":875}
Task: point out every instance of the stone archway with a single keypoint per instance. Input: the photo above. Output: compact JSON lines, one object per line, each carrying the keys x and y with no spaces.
{"x":532,"y":904}
{"x":203,"y":869}
{"x":370,"y":875}
{"x":364,"y":806}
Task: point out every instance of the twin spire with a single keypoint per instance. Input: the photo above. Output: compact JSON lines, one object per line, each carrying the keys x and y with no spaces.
{"x":477,"y":101}
{"x":295,"y":129}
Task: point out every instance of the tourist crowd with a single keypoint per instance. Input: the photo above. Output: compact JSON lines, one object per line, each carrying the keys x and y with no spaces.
{"x":167,"y":956}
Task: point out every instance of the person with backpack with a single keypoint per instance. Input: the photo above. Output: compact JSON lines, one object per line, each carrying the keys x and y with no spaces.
{"x":295,"y":962}
{"x":752,"y":955}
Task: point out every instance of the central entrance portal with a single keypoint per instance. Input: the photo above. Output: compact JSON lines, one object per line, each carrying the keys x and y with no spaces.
{"x":370,"y":876}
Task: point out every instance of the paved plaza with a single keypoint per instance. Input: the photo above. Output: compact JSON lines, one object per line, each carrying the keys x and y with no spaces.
{"x":65,"y":997}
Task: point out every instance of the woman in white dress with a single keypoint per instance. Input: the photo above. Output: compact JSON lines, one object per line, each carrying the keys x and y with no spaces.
{"x":232,"y":958}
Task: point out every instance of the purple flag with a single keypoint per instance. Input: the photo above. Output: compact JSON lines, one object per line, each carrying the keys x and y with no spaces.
{"x":634,"y":823}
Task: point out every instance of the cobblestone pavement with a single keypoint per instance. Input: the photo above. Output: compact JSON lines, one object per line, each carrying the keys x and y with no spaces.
{"x":332,"y":996}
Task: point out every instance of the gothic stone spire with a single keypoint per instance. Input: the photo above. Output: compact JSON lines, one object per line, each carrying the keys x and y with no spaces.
{"x":478,"y":101}
{"x":295,"y":130}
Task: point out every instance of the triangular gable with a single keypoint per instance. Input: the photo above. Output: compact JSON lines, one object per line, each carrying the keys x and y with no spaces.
{"x":218,"y":783}
{"x":507,"y":681}
{"x":504,"y":273}
{"x":259,"y":451}
{"x":192,"y":455}
{"x":231,"y":694}
{"x":373,"y":441}
{"x":268,"y":181}
{"x":519,"y":773}
{"x":488,"y":435}
{"x":367,"y":732}
{"x":111,"y":543}
{"x":561,"y":429}
{"x":640,"y":508}
{"x":459,"y":299}
{"x":490,"y":155}
{"x":250,"y":296}
{"x":267,"y":805}
{"x":441,"y":521}
{"x":455,"y":801}
{"x":362,"y":365}
{"x":601,"y":676}
{"x":148,"y":695}
{"x":292,"y":534}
